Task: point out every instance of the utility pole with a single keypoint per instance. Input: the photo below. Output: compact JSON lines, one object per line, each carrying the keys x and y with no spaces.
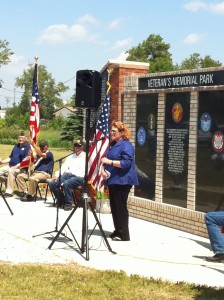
{"x":14,"y":101}
{"x":7,"y":101}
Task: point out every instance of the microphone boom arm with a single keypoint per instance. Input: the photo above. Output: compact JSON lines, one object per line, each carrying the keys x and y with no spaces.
{"x":60,"y":159}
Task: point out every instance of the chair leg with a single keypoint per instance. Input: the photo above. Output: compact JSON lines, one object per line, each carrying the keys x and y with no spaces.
{"x":45,"y":199}
{"x":53,"y":197}
{"x":37,"y":191}
{"x":35,"y":196}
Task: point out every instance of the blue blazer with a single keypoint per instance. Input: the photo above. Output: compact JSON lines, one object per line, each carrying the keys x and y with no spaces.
{"x":123,"y":151}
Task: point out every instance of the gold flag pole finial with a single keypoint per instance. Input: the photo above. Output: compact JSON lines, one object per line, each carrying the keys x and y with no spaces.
{"x":110,"y":71}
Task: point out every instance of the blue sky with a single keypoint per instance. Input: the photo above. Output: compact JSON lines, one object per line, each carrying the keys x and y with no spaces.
{"x":71,"y":35}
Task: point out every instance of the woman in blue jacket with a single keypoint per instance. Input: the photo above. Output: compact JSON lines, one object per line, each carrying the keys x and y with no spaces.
{"x":119,"y":171}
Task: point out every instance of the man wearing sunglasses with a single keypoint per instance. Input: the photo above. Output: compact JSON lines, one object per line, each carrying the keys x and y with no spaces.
{"x":72,"y":175}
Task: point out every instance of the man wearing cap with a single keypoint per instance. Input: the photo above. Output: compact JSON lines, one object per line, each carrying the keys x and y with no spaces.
{"x":72,"y":175}
{"x":8,"y":173}
{"x":42,"y":170}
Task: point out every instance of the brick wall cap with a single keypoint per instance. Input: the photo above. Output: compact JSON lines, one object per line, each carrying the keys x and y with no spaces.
{"x":120,"y":63}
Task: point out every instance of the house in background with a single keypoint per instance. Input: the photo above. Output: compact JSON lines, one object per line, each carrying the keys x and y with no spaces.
{"x":65,"y":111}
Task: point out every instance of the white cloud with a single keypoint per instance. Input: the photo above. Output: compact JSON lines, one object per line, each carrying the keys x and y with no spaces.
{"x":122,"y":56}
{"x":60,"y":33}
{"x":15,"y":67}
{"x":218,"y":8}
{"x":115,"y":24}
{"x":196,"y":6}
{"x":88,"y":19}
{"x":56,"y":34}
{"x":121,"y":43}
{"x":194,"y":38}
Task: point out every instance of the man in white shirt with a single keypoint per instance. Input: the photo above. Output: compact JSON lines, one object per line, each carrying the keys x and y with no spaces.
{"x":72,"y":175}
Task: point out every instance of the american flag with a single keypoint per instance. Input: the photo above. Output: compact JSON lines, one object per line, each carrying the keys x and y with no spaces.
{"x":25,"y":163}
{"x":35,"y":108}
{"x":28,"y":160}
{"x":98,"y":149}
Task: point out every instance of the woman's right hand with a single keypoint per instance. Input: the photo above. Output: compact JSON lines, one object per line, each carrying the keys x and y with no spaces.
{"x":103,"y":173}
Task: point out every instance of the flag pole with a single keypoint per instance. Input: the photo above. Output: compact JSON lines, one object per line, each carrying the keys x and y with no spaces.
{"x":33,"y":111}
{"x":36,"y":63}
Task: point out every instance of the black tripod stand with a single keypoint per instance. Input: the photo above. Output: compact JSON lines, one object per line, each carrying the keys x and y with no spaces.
{"x":3,"y":197}
{"x":84,"y":203}
{"x":57,"y":206}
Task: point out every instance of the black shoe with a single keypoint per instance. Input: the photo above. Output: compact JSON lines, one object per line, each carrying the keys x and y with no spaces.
{"x":68,"y":207}
{"x":118,"y":238}
{"x":21,"y":194}
{"x":113,"y":234}
{"x":8,"y":195}
{"x":27,"y":198}
{"x":218,"y":257}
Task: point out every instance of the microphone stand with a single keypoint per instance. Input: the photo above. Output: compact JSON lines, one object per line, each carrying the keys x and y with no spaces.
{"x":57,"y":205}
{"x":3,"y":197}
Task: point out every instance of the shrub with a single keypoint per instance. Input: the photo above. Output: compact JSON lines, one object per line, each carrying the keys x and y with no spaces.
{"x":9,"y":136}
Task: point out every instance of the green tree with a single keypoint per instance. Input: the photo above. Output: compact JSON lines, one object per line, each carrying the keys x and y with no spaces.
{"x":195,"y":61}
{"x":48,"y":89}
{"x":155,"y":51}
{"x":2,"y":122}
{"x":161,"y":65}
{"x":14,"y":119}
{"x":5,"y":53}
{"x":71,"y":101}
{"x":208,"y":62}
{"x":57,"y":123}
{"x":73,"y":128}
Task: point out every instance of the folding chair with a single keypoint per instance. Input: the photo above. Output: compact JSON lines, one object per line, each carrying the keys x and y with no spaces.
{"x":38,"y":189}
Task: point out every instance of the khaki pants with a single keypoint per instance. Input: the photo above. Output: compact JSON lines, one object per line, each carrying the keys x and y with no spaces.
{"x":10,"y":175}
{"x":33,"y":181}
{"x":4,"y":171}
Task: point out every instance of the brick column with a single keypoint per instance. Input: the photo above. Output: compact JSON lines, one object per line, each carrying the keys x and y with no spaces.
{"x":160,"y":148}
{"x":192,"y":153}
{"x":118,"y":70}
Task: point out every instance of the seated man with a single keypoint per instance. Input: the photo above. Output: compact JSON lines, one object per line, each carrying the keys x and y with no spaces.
{"x":8,"y":173}
{"x":42,"y":171}
{"x":214,"y":221}
{"x":72,"y":175}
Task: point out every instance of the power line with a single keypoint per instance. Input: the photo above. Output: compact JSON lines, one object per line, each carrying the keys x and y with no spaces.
{"x":11,"y":90}
{"x":23,"y":92}
{"x":69,"y":80}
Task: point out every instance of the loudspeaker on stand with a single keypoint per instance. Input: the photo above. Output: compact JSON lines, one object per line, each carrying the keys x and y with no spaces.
{"x":88,"y":89}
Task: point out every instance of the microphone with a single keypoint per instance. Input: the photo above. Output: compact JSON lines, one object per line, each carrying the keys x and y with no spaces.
{"x":97,"y":140}
{"x":101,"y":139}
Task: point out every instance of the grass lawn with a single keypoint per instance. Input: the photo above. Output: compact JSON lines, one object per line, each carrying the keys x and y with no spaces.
{"x":26,"y":281}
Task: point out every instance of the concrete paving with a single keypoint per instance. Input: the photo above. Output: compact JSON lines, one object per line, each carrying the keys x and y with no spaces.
{"x":154,"y":250}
